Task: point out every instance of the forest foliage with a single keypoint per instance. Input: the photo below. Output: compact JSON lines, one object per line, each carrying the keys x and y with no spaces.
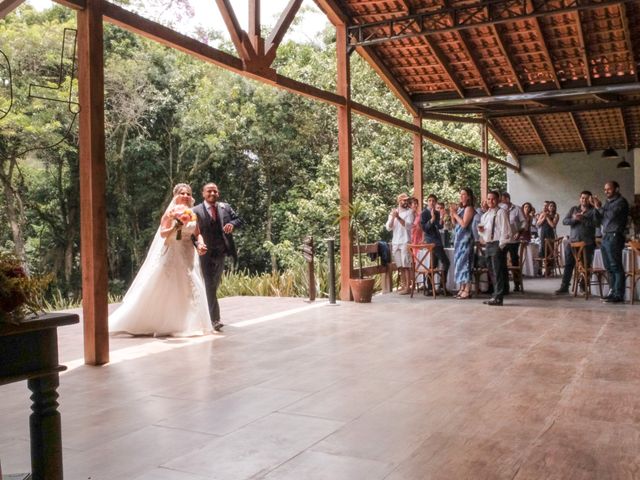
{"x":172,"y":118}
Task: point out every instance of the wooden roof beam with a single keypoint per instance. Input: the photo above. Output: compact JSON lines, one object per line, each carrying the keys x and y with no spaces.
{"x":255,"y":34}
{"x":583,"y":47}
{"x":580,"y":136}
{"x":624,"y":129}
{"x":278,"y":32}
{"x":238,"y":36}
{"x":584,"y":107}
{"x":387,"y":77}
{"x":503,"y":141}
{"x":547,"y":53}
{"x":444,"y":63}
{"x":334,"y":13}
{"x":8,"y":6}
{"x":537,"y":135}
{"x":627,"y":37}
{"x":505,"y":53}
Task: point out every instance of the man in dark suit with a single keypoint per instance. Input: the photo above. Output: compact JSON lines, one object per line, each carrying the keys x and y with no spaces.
{"x":216,"y":223}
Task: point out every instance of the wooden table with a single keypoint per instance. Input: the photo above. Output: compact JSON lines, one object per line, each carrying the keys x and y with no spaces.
{"x":29,"y":351}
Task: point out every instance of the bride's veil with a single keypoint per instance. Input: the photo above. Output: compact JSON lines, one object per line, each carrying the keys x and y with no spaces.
{"x":157,"y":249}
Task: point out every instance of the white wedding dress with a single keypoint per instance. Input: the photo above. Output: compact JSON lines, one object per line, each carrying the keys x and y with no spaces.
{"x":168,"y":296}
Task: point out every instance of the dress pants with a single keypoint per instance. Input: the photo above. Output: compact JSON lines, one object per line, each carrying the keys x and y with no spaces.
{"x":570,"y":263}
{"x":511,"y":249}
{"x":440,"y":258}
{"x":611,"y":248}
{"x":212,"y":269}
{"x":496,"y":260}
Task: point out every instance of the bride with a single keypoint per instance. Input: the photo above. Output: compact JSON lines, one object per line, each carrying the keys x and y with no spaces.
{"x":168,"y":296}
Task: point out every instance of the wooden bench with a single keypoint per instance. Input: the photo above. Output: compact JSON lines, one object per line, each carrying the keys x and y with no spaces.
{"x":386,"y":271}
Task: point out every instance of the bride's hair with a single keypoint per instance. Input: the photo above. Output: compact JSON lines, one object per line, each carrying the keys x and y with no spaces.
{"x":179,"y":187}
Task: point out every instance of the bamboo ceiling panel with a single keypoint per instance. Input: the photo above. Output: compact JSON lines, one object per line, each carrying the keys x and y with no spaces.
{"x":509,"y":52}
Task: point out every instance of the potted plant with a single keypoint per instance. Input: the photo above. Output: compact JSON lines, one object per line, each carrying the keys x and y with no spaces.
{"x":361,"y":288}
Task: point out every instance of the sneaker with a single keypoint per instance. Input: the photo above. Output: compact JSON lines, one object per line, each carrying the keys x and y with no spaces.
{"x":561,"y":291}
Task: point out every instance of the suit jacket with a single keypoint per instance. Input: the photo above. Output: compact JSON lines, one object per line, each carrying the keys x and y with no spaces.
{"x":225,"y":215}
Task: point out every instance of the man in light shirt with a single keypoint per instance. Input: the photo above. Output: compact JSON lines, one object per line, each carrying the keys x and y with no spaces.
{"x":400,"y":222}
{"x":495,"y":233}
{"x":517,"y":222}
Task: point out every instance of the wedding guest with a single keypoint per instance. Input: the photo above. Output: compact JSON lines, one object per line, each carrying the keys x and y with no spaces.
{"x":430,"y":222}
{"x":446,"y":224}
{"x":534,"y":227}
{"x":517,"y":222}
{"x":399,"y":222}
{"x":582,"y":219}
{"x":613,"y":216}
{"x":546,"y":222}
{"x":495,"y":232}
{"x":417,"y":235}
{"x":528,"y":212}
{"x":462,"y":216}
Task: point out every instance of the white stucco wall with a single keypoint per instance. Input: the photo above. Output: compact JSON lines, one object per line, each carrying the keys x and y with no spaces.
{"x":561,"y":177}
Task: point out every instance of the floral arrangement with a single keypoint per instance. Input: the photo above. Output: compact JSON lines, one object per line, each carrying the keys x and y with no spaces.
{"x":20,"y":294}
{"x":182,"y":216}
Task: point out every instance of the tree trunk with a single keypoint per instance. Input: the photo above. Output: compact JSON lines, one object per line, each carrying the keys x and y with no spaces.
{"x":15,"y":212}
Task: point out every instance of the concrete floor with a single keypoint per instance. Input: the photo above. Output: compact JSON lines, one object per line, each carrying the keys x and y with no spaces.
{"x":399,"y":389}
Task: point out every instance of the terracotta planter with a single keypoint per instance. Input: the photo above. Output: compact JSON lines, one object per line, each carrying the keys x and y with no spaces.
{"x":361,"y":289}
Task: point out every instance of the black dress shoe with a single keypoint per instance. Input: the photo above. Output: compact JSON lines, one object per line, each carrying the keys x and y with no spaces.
{"x":218,"y":326}
{"x":493,"y":302}
{"x":516,"y":288}
{"x":561,"y":291}
{"x":613,"y":300}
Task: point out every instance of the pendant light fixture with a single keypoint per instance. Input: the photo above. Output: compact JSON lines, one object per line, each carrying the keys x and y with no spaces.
{"x":610,"y":153}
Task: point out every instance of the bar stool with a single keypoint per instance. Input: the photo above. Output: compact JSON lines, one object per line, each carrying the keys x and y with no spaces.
{"x":422,"y":264}
{"x":582,"y":272}
{"x":634,"y":271}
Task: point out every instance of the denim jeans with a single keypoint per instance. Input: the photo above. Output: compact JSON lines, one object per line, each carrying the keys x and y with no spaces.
{"x":570,"y":263}
{"x":611,"y":248}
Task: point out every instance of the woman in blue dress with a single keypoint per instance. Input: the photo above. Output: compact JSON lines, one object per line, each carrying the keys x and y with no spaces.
{"x":462,"y":216}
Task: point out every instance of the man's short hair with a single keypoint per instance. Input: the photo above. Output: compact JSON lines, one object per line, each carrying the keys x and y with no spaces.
{"x":440,"y":204}
{"x":207,"y":184}
{"x":585,"y":192}
{"x":615,"y":184}
{"x":496,"y":194}
{"x":432,"y":195}
{"x":506,"y":194}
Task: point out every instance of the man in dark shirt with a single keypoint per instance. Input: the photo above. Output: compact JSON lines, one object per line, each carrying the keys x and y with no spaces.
{"x":582,"y":219}
{"x":613,"y":217}
{"x":431,"y":225}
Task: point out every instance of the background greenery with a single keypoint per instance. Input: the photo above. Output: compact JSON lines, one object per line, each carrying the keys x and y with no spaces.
{"x":171,"y":118}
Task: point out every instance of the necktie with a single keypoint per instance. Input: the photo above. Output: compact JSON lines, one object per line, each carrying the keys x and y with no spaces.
{"x":212,"y":212}
{"x":493,"y":225}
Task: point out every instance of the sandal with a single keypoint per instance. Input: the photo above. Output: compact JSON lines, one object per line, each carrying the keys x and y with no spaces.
{"x":464,"y":296}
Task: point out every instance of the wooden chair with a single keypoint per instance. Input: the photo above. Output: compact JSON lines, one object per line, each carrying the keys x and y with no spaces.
{"x":549,"y":259}
{"x":583,"y":273}
{"x":422,"y":263}
{"x":634,"y":271}
{"x":557,"y":253}
{"x":516,"y":270}
{"x":480,"y":270}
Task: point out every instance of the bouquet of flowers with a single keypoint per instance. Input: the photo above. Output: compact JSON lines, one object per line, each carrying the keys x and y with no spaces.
{"x":19,"y":293}
{"x":182,"y":215}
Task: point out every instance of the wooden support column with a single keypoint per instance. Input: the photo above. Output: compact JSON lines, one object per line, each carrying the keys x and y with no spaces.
{"x":484,"y":162}
{"x":418,"y":187}
{"x":345,"y":159}
{"x":93,"y":220}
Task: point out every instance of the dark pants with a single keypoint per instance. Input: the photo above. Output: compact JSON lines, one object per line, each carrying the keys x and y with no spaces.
{"x":496,"y":260}
{"x":212,"y":269}
{"x":570,"y":263}
{"x":611,"y":248}
{"x":511,"y":249}
{"x":440,"y":258}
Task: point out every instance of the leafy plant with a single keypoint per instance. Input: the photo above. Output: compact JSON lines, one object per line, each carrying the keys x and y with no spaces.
{"x":357,"y":212}
{"x":20,"y":294}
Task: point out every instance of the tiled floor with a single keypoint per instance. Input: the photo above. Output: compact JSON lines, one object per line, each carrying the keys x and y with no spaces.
{"x":400,"y":389}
